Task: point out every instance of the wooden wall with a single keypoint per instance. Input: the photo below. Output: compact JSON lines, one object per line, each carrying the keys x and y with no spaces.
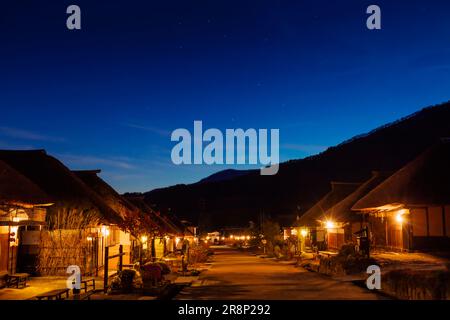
{"x":430,"y":227}
{"x":4,"y":244}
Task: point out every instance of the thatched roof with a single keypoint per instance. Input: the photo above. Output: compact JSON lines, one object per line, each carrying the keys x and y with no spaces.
{"x":110,"y":196}
{"x":56,"y":180}
{"x":165,"y":226}
{"x":339,"y":190}
{"x":342,"y":210}
{"x":423,"y":181}
{"x":15,"y":189}
{"x":174,"y":223}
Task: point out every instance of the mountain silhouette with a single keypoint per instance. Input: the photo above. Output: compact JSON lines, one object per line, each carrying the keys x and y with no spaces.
{"x":233,"y":198}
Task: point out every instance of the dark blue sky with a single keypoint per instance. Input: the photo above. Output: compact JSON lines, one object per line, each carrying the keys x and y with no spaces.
{"x":109,"y":95}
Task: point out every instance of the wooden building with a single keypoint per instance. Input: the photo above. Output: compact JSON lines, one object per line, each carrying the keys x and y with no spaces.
{"x":312,"y":225}
{"x":411,"y":209}
{"x":76,"y":225}
{"x":23,"y":206}
{"x":165,"y":237}
{"x":342,"y":221}
{"x":125,"y":233}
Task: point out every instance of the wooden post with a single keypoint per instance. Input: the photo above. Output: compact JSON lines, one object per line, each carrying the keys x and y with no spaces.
{"x":386,"y":230}
{"x":120,"y":257}
{"x":140,"y":254}
{"x":105,"y":275}
{"x":153,"y":249}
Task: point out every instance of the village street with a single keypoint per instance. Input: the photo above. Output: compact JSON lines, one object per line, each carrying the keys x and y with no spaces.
{"x":239,"y":275}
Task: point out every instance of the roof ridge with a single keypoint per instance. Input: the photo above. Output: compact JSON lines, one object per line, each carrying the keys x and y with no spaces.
{"x":88,"y":171}
{"x":24,"y":151}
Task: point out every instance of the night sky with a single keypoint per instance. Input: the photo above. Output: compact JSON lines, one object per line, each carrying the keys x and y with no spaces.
{"x":108,"y":96}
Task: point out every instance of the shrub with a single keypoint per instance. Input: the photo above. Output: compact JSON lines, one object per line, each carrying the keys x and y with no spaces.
{"x":126,"y":281}
{"x":417,"y":284}
{"x":198,"y":254}
{"x":152,"y":274}
{"x":342,"y":264}
{"x":165,"y":269}
{"x":347,"y":250}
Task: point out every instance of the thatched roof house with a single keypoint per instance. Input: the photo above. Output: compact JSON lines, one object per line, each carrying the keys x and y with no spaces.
{"x":174,"y":224}
{"x":55,"y":179}
{"x":411,"y":209}
{"x":17,"y":190}
{"x":339,"y":190}
{"x":341,"y":222}
{"x":147,"y":215}
{"x":163,"y":225}
{"x":342,"y":211}
{"x":110,"y":196}
{"x":423,"y":181}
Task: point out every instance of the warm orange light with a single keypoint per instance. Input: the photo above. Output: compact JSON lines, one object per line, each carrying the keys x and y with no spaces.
{"x":105,"y":231}
{"x":399,"y":217}
{"x":304,"y":232}
{"x":329,"y":224}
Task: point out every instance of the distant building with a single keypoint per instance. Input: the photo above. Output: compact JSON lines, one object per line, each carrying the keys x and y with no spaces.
{"x":213,"y":237}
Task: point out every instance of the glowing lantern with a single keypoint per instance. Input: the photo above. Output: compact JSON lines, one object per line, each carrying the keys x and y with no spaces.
{"x":105,"y":231}
{"x":13,"y":236}
{"x":329,"y":224}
